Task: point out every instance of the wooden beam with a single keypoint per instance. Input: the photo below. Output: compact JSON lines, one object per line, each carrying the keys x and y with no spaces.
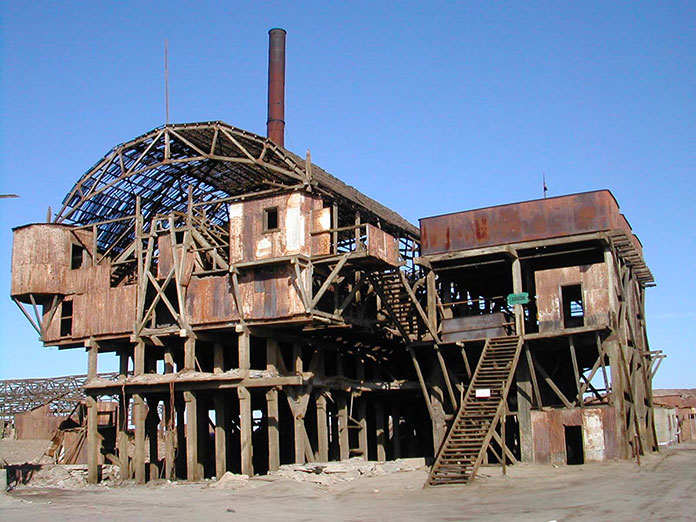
{"x":92,"y":441}
{"x":222,"y":421}
{"x":192,"y":461}
{"x":245,"y":429}
{"x":322,"y":429}
{"x":379,"y":431}
{"x":576,"y":371}
{"x":218,"y":358}
{"x":244,"y":351}
{"x":190,"y":353}
{"x":421,"y":381}
{"x":552,"y":385}
{"x":524,"y":407}
{"x":396,"y":431}
{"x":139,"y":357}
{"x":532,"y":374}
{"x":140,"y":411}
{"x":361,"y":413}
{"x":170,"y":438}
{"x":343,"y":439}
{"x":92,"y":354}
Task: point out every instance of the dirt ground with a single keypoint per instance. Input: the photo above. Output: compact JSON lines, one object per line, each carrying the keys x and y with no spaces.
{"x":662,"y":488}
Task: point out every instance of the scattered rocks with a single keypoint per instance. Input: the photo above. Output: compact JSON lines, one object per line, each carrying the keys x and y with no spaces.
{"x":333,"y":472}
{"x":230,"y":481}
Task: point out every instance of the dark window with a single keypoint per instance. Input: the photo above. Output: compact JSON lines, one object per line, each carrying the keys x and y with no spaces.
{"x":573,"y":307}
{"x":270,"y":219}
{"x":66,"y":316}
{"x":573,"y":441}
{"x":77,"y":254}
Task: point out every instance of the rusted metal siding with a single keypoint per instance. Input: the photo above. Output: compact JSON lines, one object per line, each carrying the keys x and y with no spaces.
{"x":165,"y":261}
{"x":473,"y":327}
{"x":519,"y":222}
{"x":265,"y":293}
{"x":249,"y":241}
{"x":382,"y":246}
{"x":107,"y":312}
{"x":598,"y":433}
{"x":41,"y":259}
{"x":595,"y":290}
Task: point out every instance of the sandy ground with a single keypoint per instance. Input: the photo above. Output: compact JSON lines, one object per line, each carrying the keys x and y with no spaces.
{"x":662,"y":488}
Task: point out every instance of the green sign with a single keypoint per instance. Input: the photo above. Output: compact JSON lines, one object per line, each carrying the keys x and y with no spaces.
{"x":518,"y":299}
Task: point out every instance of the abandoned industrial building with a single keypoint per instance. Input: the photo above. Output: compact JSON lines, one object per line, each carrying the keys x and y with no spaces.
{"x":265,"y":313}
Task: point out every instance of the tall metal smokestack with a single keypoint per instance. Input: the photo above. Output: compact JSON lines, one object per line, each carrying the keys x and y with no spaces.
{"x":275,"y":125}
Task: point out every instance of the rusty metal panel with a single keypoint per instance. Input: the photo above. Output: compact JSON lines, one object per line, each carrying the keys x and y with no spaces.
{"x":599,"y":433}
{"x":103,"y":313}
{"x":519,"y":222}
{"x":595,"y":289}
{"x":165,"y":260}
{"x":38,"y":424}
{"x":321,"y":220}
{"x":41,"y":260}
{"x":249,"y":241}
{"x":382,"y":246}
{"x":210,"y":300}
{"x":473,"y":327}
{"x":265,"y":293}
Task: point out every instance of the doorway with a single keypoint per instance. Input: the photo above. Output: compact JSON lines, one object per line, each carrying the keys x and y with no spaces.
{"x":573,"y":443}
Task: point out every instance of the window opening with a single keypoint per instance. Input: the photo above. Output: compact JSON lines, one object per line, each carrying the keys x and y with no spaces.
{"x":66,"y":316}
{"x":76,"y":256}
{"x":270,"y":219}
{"x":573,"y":307}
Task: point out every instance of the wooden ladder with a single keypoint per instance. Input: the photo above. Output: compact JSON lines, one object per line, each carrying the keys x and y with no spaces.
{"x":466,"y":443}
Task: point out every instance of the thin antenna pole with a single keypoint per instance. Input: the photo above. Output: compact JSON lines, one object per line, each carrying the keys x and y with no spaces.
{"x":166,"y":80}
{"x":545,"y":187}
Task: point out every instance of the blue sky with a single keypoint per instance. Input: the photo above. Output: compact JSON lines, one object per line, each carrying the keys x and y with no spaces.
{"x":428,"y":107}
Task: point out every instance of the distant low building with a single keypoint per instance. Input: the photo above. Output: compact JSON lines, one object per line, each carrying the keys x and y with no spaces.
{"x":684,"y":403}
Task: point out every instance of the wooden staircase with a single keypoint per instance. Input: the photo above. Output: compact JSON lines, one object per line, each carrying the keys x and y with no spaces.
{"x":466,"y":443}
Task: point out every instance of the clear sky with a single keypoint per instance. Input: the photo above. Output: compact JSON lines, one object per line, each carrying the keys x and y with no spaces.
{"x":428,"y":107}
